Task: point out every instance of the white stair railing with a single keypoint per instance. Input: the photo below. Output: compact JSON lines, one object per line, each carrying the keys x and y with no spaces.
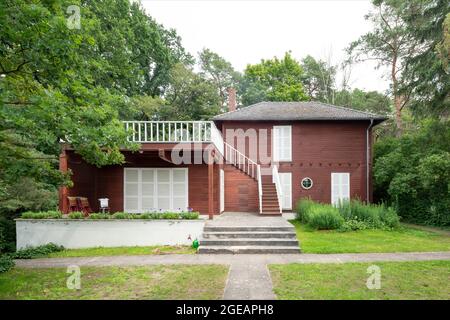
{"x":260,"y":190}
{"x":276,"y":180}
{"x":240,"y":160}
{"x":247,"y":165}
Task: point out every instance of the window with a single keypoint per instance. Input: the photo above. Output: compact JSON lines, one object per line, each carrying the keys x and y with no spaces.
{"x":340,"y":187}
{"x":282,"y":143}
{"x":307,"y":183}
{"x":151,"y":189}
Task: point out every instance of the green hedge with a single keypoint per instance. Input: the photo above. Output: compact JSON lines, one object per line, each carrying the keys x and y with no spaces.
{"x":186,"y":215}
{"x":352,"y":215}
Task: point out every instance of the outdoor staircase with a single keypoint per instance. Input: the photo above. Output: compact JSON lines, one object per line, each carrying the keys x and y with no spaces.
{"x":270,"y":238}
{"x":264,"y":176}
{"x":270,"y":204}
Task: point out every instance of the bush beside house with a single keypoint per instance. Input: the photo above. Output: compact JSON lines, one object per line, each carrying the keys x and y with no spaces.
{"x":352,"y":215}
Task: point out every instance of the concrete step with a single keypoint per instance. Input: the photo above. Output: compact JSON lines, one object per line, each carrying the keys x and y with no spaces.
{"x":254,"y":234}
{"x":247,"y":250}
{"x":271,"y":213}
{"x":249,"y":242}
{"x":247,"y":228}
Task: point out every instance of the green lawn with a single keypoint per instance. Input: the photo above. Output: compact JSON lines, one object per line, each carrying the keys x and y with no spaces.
{"x":150,"y":282}
{"x":399,"y":280}
{"x":122,"y":251}
{"x":401,"y":240}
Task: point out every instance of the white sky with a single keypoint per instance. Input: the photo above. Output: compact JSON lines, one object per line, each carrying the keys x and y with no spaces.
{"x":244,"y":32}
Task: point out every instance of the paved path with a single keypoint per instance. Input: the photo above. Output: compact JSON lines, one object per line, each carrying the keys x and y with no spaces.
{"x":248,"y":277}
{"x":229,"y":259}
{"x":248,"y":281}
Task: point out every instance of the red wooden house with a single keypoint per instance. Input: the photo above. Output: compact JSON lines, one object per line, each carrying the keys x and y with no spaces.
{"x":261,"y":158}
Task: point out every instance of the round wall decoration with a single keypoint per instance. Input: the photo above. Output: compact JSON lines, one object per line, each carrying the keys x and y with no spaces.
{"x":307,"y":183}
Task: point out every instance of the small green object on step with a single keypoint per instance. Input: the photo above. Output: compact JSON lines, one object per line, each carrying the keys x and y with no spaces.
{"x":195,"y":244}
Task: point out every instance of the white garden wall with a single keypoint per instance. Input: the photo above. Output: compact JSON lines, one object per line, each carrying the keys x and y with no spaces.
{"x":106,"y":233}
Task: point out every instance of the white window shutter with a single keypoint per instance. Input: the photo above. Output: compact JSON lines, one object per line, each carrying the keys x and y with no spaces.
{"x":340,"y":187}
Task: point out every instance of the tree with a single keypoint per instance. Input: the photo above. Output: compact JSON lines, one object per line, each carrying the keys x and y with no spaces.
{"x":219,"y":72}
{"x":189,"y":97}
{"x":389,"y":44}
{"x":370,"y":101}
{"x":318,"y":79}
{"x":59,"y":83}
{"x":412,"y":172}
{"x":273,"y":80}
{"x":426,"y":73}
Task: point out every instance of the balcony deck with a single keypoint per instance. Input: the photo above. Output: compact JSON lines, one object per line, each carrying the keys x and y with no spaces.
{"x":167,"y":134}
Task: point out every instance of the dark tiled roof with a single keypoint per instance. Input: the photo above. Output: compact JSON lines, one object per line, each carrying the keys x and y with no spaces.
{"x":281,"y":111}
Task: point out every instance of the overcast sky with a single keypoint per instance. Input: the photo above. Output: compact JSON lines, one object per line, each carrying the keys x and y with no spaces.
{"x":244,"y":32}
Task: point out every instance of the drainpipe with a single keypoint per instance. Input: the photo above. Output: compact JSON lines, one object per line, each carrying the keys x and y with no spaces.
{"x":367,"y":160}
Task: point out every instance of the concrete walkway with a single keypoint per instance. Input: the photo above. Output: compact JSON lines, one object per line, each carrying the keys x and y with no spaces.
{"x":248,"y":278}
{"x":229,"y":259}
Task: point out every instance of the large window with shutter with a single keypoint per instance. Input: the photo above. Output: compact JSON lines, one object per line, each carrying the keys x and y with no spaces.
{"x":340,"y":187}
{"x":154,"y":189}
{"x":282,"y":143}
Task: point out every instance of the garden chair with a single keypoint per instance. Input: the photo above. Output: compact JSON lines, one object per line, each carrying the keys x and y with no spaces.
{"x":83,"y":202}
{"x":73,"y":204}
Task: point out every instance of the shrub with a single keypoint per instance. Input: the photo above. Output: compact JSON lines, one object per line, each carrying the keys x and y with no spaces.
{"x":121,"y":215}
{"x":170,"y":215}
{"x":373,"y":215}
{"x":42,"y":215}
{"x":76,"y":215}
{"x":36,"y":252}
{"x":6,"y":262}
{"x":189,"y":215}
{"x":7,"y":235}
{"x":353,"y":225}
{"x":323,"y":217}
{"x":98,"y":216}
{"x":390,"y":217}
{"x":303,"y":206}
{"x":350,"y":215}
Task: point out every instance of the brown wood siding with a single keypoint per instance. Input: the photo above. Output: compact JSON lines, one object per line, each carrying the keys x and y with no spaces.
{"x":318,"y":149}
{"x":107,"y":182}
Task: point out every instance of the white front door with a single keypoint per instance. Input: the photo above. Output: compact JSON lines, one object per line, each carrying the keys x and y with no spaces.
{"x":282,"y":143}
{"x":286,"y":188}
{"x":222,"y":190}
{"x":154,"y":189}
{"x":340,"y":187}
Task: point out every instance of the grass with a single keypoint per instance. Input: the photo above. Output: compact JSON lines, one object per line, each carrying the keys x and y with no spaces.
{"x":399,"y":280}
{"x":124,"y":283}
{"x":121,"y":251}
{"x":400,"y":240}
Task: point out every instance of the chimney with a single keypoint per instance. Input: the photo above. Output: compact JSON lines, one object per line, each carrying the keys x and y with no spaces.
{"x":231,"y":99}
